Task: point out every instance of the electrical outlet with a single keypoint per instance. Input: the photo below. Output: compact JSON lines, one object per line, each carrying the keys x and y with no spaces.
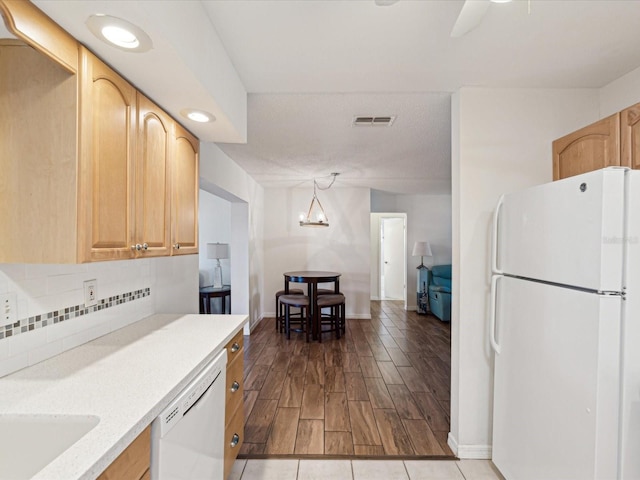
{"x":8,"y":309}
{"x":90,"y":293}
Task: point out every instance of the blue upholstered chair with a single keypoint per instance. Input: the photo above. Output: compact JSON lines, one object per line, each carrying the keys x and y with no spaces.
{"x":440,"y":292}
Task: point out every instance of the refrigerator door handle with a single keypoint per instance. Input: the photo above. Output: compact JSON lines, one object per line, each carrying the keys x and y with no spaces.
{"x":494,"y":238}
{"x":492,"y":314}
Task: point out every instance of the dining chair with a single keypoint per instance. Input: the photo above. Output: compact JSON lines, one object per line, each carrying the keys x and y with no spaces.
{"x":336,"y":318}
{"x":296,"y":301}
{"x":280,"y":309}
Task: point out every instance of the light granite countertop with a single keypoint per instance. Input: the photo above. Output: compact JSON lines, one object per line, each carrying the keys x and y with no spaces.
{"x":125,"y":378}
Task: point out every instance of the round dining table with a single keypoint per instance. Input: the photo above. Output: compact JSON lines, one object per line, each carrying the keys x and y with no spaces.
{"x":312,"y":278}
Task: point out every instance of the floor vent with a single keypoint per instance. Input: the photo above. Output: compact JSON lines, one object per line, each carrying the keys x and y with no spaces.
{"x":373,"y":121}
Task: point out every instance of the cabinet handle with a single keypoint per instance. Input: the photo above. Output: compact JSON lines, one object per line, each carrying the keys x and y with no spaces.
{"x":137,"y":247}
{"x":176,"y":246}
{"x":145,"y":246}
{"x":234,"y":387}
{"x":235,"y":347}
{"x":235,"y":440}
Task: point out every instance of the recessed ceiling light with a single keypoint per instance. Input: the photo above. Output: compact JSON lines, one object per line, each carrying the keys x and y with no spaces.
{"x":119,"y":33}
{"x":197,"y":115}
{"x":120,"y":36}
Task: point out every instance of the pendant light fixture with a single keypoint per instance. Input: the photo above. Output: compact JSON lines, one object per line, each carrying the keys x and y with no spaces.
{"x":315,"y":216}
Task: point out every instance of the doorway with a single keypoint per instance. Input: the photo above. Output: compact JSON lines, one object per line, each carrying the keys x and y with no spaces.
{"x":388,"y":280}
{"x":392,"y":258}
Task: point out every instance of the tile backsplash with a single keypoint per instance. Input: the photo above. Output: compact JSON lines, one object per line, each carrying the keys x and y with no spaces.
{"x":52,"y":317}
{"x":29,"y":324}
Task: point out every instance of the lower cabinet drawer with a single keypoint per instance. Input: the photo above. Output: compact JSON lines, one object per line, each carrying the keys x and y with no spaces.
{"x":233,"y":438}
{"x":234,"y":346}
{"x":235,"y":388}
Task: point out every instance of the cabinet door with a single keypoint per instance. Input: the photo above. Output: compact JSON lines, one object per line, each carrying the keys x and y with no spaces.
{"x":590,"y":148}
{"x":152,"y":212}
{"x":630,"y":137}
{"x":185,"y":193}
{"x":108,"y":133}
{"x":134,"y":462}
{"x":38,"y":142}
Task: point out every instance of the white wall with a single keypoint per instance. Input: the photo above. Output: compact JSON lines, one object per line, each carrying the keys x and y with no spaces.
{"x":428,"y":218}
{"x":501,"y":142}
{"x":221,"y":176}
{"x":620,"y":93}
{"x":344,"y":246}
{"x":40,"y":289}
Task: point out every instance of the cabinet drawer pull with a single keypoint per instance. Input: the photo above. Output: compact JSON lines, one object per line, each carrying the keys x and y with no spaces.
{"x":234,"y":440}
{"x":235,"y":347}
{"x":176,"y":246}
{"x":234,"y":387}
{"x":145,"y":246}
{"x":137,"y":247}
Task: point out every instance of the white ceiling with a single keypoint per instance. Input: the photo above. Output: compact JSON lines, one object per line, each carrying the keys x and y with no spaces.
{"x":310,"y":65}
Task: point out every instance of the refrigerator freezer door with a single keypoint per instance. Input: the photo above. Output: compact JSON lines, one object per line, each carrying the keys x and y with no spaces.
{"x":556,"y":382}
{"x":568,"y":232}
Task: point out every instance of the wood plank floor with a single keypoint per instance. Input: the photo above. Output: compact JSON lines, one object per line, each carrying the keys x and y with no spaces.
{"x":381,"y":390}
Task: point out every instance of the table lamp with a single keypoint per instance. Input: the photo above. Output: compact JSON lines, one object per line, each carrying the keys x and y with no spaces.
{"x":217,"y":251}
{"x":422,"y":249}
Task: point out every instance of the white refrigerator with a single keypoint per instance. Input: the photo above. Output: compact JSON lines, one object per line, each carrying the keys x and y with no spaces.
{"x":565,"y":329}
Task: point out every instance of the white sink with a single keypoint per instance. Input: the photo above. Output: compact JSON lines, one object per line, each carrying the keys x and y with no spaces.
{"x":28,"y":443}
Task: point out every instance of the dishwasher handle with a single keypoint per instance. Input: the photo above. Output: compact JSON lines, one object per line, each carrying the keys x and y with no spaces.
{"x":201,"y":395}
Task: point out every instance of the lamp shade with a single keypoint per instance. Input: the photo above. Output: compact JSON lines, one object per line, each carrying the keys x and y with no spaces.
{"x":422,"y":249}
{"x":217,"y":250}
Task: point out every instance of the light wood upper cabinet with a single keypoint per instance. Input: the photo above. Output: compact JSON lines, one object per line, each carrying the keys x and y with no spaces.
{"x":590,"y":148}
{"x":630,"y":137}
{"x":153,"y":174}
{"x":108,"y":135}
{"x":34,"y":27}
{"x":184,"y":237}
{"x":38,"y":157}
{"x":92,"y":170}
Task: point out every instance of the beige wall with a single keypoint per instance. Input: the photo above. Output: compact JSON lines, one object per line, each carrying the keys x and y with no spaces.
{"x":501,"y":143}
{"x":344,"y":246}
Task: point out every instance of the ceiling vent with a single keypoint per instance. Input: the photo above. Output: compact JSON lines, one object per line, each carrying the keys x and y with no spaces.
{"x":373,"y":121}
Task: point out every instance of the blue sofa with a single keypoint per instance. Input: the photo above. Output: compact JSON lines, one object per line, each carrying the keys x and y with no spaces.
{"x":440,"y":292}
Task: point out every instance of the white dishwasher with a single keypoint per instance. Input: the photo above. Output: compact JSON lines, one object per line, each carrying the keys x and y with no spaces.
{"x":187,"y":438}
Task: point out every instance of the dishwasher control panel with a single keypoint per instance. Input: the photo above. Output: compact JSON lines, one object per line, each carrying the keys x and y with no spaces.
{"x":189,"y":397}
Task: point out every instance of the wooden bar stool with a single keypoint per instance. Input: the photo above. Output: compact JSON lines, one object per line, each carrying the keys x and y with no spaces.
{"x":297,"y":301}
{"x":280,"y":309}
{"x":336,"y":319}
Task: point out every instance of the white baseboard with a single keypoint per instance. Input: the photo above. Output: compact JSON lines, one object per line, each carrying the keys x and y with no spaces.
{"x":475,"y":452}
{"x":253,"y":327}
{"x":375,"y":298}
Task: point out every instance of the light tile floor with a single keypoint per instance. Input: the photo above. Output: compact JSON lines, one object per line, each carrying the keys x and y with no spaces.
{"x":281,"y":469}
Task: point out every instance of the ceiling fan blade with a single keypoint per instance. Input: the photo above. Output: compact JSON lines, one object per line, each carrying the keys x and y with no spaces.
{"x":470,"y":16}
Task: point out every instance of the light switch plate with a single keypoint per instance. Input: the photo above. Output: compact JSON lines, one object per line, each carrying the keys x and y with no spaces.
{"x":90,"y":293}
{"x":8,"y":309}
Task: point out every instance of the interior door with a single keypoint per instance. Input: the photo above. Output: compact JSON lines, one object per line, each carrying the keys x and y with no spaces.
{"x":556,"y":382}
{"x":393,"y":264}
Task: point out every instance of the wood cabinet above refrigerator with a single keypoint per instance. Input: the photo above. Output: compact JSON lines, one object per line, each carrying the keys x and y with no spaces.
{"x":612,"y":141}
